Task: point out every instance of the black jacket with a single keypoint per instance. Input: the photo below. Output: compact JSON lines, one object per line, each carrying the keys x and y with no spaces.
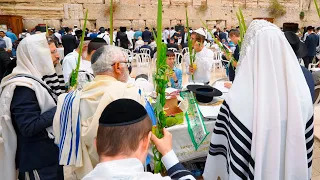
{"x":69,"y":43}
{"x":35,"y":149}
{"x":231,"y":68}
{"x":312,"y":41}
{"x":4,"y":62}
{"x":223,"y":35}
{"x":124,"y":41}
{"x":146,"y":36}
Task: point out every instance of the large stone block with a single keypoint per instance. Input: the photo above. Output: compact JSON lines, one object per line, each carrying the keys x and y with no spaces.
{"x":91,"y":1}
{"x":31,"y":23}
{"x":121,"y":23}
{"x":70,"y":22}
{"x":97,"y":11}
{"x":181,"y":2}
{"x":91,"y":24}
{"x":102,"y":23}
{"x":53,"y":23}
{"x":73,"y":11}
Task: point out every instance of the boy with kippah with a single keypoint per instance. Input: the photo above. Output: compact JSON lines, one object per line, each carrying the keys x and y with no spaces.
{"x":122,"y":143}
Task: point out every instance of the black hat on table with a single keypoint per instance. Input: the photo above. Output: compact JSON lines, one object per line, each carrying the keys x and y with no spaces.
{"x":204,"y":93}
{"x":122,"y":112}
{"x":299,"y":48}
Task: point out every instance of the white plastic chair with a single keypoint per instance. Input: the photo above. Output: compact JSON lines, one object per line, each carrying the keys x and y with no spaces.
{"x":144,"y":59}
{"x":172,"y":49}
{"x":184,"y":50}
{"x":313,"y":67}
{"x":178,"y":58}
{"x":129,"y":54}
{"x":145,"y":50}
{"x":216,"y":62}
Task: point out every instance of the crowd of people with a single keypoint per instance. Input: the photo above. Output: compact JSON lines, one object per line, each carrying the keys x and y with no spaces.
{"x":102,"y":129}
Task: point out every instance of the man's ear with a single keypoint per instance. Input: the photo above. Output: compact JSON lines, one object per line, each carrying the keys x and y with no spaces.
{"x":146,"y":141}
{"x":95,"y":142}
{"x":116,"y":68}
{"x":92,"y":52}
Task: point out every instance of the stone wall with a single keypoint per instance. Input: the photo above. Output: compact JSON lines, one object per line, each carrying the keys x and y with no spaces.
{"x":140,"y":13}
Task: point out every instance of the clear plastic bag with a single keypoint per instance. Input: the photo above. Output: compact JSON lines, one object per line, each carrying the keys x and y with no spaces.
{"x":196,"y":127}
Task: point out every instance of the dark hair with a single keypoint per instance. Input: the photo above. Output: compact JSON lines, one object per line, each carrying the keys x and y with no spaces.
{"x":95,"y":44}
{"x":51,"y":40}
{"x":310,"y":28}
{"x":234,"y":32}
{"x":2,"y":31}
{"x":112,"y":141}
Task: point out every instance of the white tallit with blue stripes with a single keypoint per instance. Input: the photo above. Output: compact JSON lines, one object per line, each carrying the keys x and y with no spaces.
{"x":264,"y":130}
{"x":68,"y":139}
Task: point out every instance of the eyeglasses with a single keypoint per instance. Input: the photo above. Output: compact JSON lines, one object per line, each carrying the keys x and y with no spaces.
{"x":127,"y":63}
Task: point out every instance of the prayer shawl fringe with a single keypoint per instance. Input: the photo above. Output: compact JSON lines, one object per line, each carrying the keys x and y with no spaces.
{"x":70,"y":128}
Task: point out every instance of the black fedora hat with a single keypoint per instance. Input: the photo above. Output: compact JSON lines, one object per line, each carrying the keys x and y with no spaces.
{"x":298,"y":47}
{"x":204,"y":93}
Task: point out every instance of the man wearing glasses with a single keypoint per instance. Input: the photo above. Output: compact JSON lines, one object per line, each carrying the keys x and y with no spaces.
{"x":111,"y":69}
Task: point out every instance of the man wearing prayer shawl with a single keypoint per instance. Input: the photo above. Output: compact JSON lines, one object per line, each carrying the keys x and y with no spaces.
{"x":76,"y":121}
{"x":28,"y":103}
{"x":273,"y":137}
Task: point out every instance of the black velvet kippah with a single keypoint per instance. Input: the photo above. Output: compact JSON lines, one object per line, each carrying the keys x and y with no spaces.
{"x":122,"y":112}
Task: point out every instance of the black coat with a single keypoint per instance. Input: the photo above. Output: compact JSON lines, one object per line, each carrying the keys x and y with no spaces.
{"x":124,"y":41}
{"x":231,"y":68}
{"x":223,"y":35}
{"x":69,"y":43}
{"x":4,"y":62}
{"x":35,"y":149}
{"x":312,"y":41}
{"x":146,"y":36}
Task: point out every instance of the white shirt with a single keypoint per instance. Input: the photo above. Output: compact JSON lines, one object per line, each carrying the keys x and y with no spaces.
{"x":69,"y":63}
{"x":172,"y":33}
{"x":86,"y":66}
{"x":129,"y":169}
{"x":58,"y":35}
{"x":138,"y":44}
{"x":166,"y":34}
{"x":153,"y":45}
{"x":105,"y":36}
{"x":130,"y":35}
{"x":203,"y":60}
{"x":8,"y":43}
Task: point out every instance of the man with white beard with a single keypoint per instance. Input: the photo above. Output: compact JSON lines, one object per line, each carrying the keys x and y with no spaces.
{"x":111,"y":69}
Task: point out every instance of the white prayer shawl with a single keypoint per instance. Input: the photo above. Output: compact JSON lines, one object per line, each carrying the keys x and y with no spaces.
{"x":264,"y":129}
{"x":30,"y":63}
{"x":93,"y":98}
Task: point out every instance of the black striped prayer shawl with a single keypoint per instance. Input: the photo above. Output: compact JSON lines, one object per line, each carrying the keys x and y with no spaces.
{"x":237,"y":152}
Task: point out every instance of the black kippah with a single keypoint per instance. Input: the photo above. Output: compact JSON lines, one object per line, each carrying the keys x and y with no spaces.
{"x":122,"y":112}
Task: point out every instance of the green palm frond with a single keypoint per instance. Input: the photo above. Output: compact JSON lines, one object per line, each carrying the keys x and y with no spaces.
{"x":75,"y":72}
